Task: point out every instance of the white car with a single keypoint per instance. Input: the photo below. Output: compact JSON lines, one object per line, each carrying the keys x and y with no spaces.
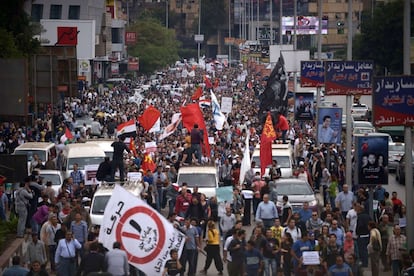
{"x":359,"y":111}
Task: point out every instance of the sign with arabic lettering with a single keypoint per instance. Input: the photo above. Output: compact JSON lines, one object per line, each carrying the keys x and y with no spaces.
{"x":372,"y":159}
{"x":312,"y":73}
{"x":145,"y":235}
{"x":348,"y":77}
{"x":393,"y":103}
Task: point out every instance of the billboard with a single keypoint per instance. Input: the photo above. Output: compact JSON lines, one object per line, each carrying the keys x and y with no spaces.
{"x":348,"y":77}
{"x":393,"y":101}
{"x":305,"y":25}
{"x":329,"y":125}
{"x":312,"y":73}
{"x":304,"y":106}
{"x":371,"y":159}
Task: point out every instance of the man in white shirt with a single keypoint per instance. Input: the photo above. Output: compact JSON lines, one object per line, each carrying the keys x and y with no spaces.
{"x":293,"y":230}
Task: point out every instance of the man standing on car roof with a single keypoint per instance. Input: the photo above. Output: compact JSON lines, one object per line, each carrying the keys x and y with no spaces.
{"x":118,"y":158}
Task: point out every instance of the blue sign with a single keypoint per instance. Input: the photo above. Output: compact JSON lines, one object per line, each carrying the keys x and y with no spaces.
{"x":348,"y":77}
{"x":393,"y":103}
{"x":372,"y":159}
{"x":329,"y":125}
{"x":312,"y":73}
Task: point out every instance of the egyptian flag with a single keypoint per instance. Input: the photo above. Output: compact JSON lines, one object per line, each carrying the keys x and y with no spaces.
{"x":249,"y":85}
{"x":150,"y":119}
{"x":197,"y":94}
{"x":148,"y":163}
{"x":266,"y":139}
{"x":127,"y":129}
{"x":191,"y":114}
{"x":67,"y":137}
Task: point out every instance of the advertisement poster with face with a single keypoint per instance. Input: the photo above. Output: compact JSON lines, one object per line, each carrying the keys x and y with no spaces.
{"x":329,"y":125}
{"x":372,"y":159}
{"x":304,"y":106}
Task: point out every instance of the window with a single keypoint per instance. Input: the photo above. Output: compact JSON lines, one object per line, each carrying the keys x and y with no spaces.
{"x":74,"y":12}
{"x":116,"y":35}
{"x":55,"y":12}
{"x":37,"y":12}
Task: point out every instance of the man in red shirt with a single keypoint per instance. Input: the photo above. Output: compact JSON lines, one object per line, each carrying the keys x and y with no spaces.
{"x":396,"y":204}
{"x":183,"y":201}
{"x":283,"y":126}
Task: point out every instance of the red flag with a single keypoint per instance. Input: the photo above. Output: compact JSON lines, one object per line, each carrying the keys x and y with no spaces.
{"x":266,"y":139}
{"x":197,"y":94}
{"x":250,"y":85}
{"x":207,"y":82}
{"x":148,"y":119}
{"x":148,"y":163}
{"x":191,"y":114}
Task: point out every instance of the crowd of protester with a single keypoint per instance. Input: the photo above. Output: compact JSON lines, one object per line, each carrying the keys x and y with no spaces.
{"x":346,"y":238}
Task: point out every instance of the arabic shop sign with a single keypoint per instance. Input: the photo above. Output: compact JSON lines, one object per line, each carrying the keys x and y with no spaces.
{"x":348,"y":77}
{"x":312,"y":74}
{"x":393,"y":101}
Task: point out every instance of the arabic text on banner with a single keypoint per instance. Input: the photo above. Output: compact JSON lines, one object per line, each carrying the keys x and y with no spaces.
{"x":145,"y":235}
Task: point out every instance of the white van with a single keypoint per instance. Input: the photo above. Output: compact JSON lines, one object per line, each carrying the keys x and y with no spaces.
{"x":101,"y":197}
{"x":204,"y":177}
{"x":81,"y":154}
{"x":105,"y":144}
{"x":44,"y":150}
{"x":280,"y":152}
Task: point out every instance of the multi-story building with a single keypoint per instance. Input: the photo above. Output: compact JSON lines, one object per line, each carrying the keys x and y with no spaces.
{"x":108,"y":44}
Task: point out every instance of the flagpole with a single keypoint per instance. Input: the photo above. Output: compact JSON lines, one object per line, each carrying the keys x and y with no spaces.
{"x":199,"y":28}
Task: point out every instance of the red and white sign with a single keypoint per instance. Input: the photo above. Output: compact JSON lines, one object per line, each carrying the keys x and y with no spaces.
{"x":130,"y":38}
{"x":145,"y":235}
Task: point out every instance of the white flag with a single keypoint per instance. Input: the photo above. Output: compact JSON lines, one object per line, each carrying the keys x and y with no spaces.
{"x":145,"y":235}
{"x":218,"y":116}
{"x":245,"y":164}
{"x":171,"y":128}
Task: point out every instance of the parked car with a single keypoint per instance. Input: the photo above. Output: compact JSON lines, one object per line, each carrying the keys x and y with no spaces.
{"x":359,"y":111}
{"x":395,"y":152}
{"x":298,"y":192}
{"x":400,"y":175}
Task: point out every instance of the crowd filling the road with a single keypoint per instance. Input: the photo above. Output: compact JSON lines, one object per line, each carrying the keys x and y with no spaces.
{"x":62,"y":240}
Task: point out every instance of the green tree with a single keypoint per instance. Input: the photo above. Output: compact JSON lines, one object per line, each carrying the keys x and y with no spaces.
{"x":15,"y":22}
{"x":156,"y":46}
{"x":381,"y":38}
